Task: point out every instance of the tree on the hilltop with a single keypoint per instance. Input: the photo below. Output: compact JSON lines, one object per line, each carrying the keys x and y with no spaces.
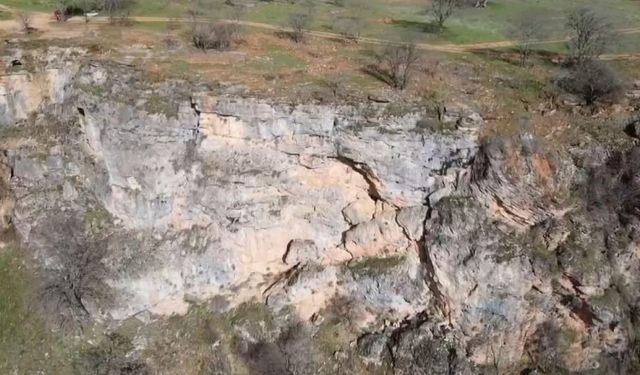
{"x":117,"y":8}
{"x":526,"y":30}
{"x":351,"y":23}
{"x":591,"y":35}
{"x":299,"y":23}
{"x":395,"y":64}
{"x":442,"y":10}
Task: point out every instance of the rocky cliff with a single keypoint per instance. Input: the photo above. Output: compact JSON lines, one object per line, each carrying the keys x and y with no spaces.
{"x":414,"y":243}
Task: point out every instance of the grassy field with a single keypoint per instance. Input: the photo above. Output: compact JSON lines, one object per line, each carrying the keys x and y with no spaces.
{"x":409,"y":19}
{"x":397,"y":20}
{"x":33,"y":5}
{"x":26,"y":346}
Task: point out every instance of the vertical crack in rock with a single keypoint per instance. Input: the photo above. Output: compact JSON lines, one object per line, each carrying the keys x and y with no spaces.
{"x":365,"y":171}
{"x":451,"y":358}
{"x":192,"y":144}
{"x":429,"y":269}
{"x":409,"y":324}
{"x":425,"y":259}
{"x":196,"y":130}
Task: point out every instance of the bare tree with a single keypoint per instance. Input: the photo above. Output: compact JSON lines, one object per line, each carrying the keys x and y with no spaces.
{"x":77,"y":274}
{"x":395,"y":64}
{"x":351,"y":23}
{"x":117,"y":9}
{"x":442,"y":10}
{"x":24,"y":18}
{"x":237,"y":12}
{"x":299,"y":23}
{"x":526,"y":30}
{"x":195,"y":9}
{"x":592,"y":35}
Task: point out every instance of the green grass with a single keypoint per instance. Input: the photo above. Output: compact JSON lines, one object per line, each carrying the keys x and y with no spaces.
{"x":5,"y":16}
{"x":201,"y":340}
{"x":178,"y":8}
{"x":277,"y":60}
{"x":33,"y":5}
{"x":625,"y":43}
{"x":26,"y":346}
{"x":97,"y":217}
{"x":375,"y":266}
{"x":275,"y":13}
{"x":470,"y":25}
{"x":94,"y":90}
{"x":152,"y":26}
{"x":332,"y":336}
{"x":161,"y":105}
{"x":158,"y":7}
{"x":388,"y":19}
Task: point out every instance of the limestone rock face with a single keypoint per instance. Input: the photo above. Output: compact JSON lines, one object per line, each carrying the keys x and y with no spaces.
{"x":435,"y":252}
{"x":32,"y":84}
{"x":482,"y":279}
{"x":220,"y":192}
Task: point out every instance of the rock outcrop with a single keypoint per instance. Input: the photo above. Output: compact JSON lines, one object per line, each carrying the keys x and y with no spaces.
{"x":231,"y":192}
{"x":154,"y":196}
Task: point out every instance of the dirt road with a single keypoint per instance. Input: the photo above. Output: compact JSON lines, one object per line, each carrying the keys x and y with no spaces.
{"x":52,"y":29}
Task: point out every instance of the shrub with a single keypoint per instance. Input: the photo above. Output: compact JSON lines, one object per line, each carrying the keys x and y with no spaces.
{"x":593,"y":81}
{"x":109,"y":357}
{"x":213,"y":35}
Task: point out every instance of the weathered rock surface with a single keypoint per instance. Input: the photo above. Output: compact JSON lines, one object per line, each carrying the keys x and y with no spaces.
{"x":230,"y":191}
{"x":157,"y":195}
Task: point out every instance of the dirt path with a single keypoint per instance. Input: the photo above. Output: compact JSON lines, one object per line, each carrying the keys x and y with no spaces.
{"x":454,"y":48}
{"x":621,"y":56}
{"x":45,"y":22}
{"x":511,"y":43}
